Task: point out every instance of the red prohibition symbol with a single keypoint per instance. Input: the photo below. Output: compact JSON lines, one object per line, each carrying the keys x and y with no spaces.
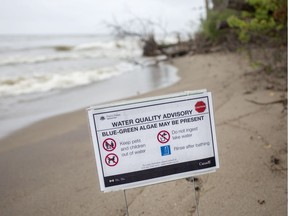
{"x":109,"y":144}
{"x":111,"y":159}
{"x":200,"y":106}
{"x":163,"y":136}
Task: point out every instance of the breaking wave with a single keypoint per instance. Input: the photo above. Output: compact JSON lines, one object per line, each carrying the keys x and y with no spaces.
{"x":111,"y":49}
{"x":12,"y":86}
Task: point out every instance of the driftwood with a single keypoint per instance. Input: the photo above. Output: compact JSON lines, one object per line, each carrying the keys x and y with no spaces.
{"x":176,"y":50}
{"x":189,"y":48}
{"x":152,"y":48}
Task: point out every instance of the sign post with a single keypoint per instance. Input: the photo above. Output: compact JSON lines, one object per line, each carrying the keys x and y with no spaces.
{"x":154,"y":140}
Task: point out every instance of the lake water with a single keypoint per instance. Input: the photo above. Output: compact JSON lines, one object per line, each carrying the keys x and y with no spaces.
{"x":42,"y":76}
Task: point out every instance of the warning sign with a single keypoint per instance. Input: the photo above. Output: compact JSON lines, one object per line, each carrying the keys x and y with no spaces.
{"x":163,"y":136}
{"x":154,"y":140}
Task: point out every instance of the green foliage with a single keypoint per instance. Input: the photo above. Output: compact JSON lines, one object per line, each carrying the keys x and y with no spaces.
{"x":210,"y":24}
{"x":268,"y":18}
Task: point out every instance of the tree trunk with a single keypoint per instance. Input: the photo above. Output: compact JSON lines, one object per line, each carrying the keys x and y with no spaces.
{"x":239,"y":5}
{"x":150,"y":47}
{"x":207,"y":6}
{"x":218,"y":4}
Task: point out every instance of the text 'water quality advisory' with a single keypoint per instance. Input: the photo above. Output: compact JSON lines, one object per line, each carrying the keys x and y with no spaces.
{"x":154,"y":140}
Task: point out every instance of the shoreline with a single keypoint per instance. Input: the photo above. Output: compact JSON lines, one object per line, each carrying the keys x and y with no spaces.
{"x":36,"y":108}
{"x":49,"y":167}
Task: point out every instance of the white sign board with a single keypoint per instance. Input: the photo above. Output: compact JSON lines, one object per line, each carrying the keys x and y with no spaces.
{"x":154,"y":140}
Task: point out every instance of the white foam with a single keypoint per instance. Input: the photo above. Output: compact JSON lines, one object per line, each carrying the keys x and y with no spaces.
{"x":18,"y":85}
{"x":125,"y":43}
{"x":124,"y":48}
{"x":30,"y":59}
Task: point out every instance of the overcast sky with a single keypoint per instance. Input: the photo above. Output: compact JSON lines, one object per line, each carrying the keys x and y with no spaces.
{"x":87,"y":16}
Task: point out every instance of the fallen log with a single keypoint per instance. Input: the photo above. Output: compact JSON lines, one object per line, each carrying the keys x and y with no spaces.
{"x":151,"y":48}
{"x":176,"y":50}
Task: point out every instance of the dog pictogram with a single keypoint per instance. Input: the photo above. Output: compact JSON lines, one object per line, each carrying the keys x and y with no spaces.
{"x":111,"y":159}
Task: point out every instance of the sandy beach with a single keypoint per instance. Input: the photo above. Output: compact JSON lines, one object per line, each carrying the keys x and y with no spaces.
{"x":49,"y":167}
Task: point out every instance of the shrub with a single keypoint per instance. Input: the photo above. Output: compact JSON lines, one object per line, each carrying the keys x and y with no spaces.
{"x":214,"y":18}
{"x":268,"y":19}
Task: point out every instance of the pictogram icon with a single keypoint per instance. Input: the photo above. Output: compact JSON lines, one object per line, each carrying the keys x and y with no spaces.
{"x":109,"y":144}
{"x":200,"y":106}
{"x":111,"y":159}
{"x":163,"y":136}
{"x":165,"y":150}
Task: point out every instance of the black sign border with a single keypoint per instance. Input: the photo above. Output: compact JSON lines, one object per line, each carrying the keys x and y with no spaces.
{"x":115,"y":180}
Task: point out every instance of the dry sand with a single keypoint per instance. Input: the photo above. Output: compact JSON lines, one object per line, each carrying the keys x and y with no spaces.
{"x":49,"y":167}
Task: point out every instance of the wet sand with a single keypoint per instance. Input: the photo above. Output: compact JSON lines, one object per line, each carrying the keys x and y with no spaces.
{"x":49,"y":167}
